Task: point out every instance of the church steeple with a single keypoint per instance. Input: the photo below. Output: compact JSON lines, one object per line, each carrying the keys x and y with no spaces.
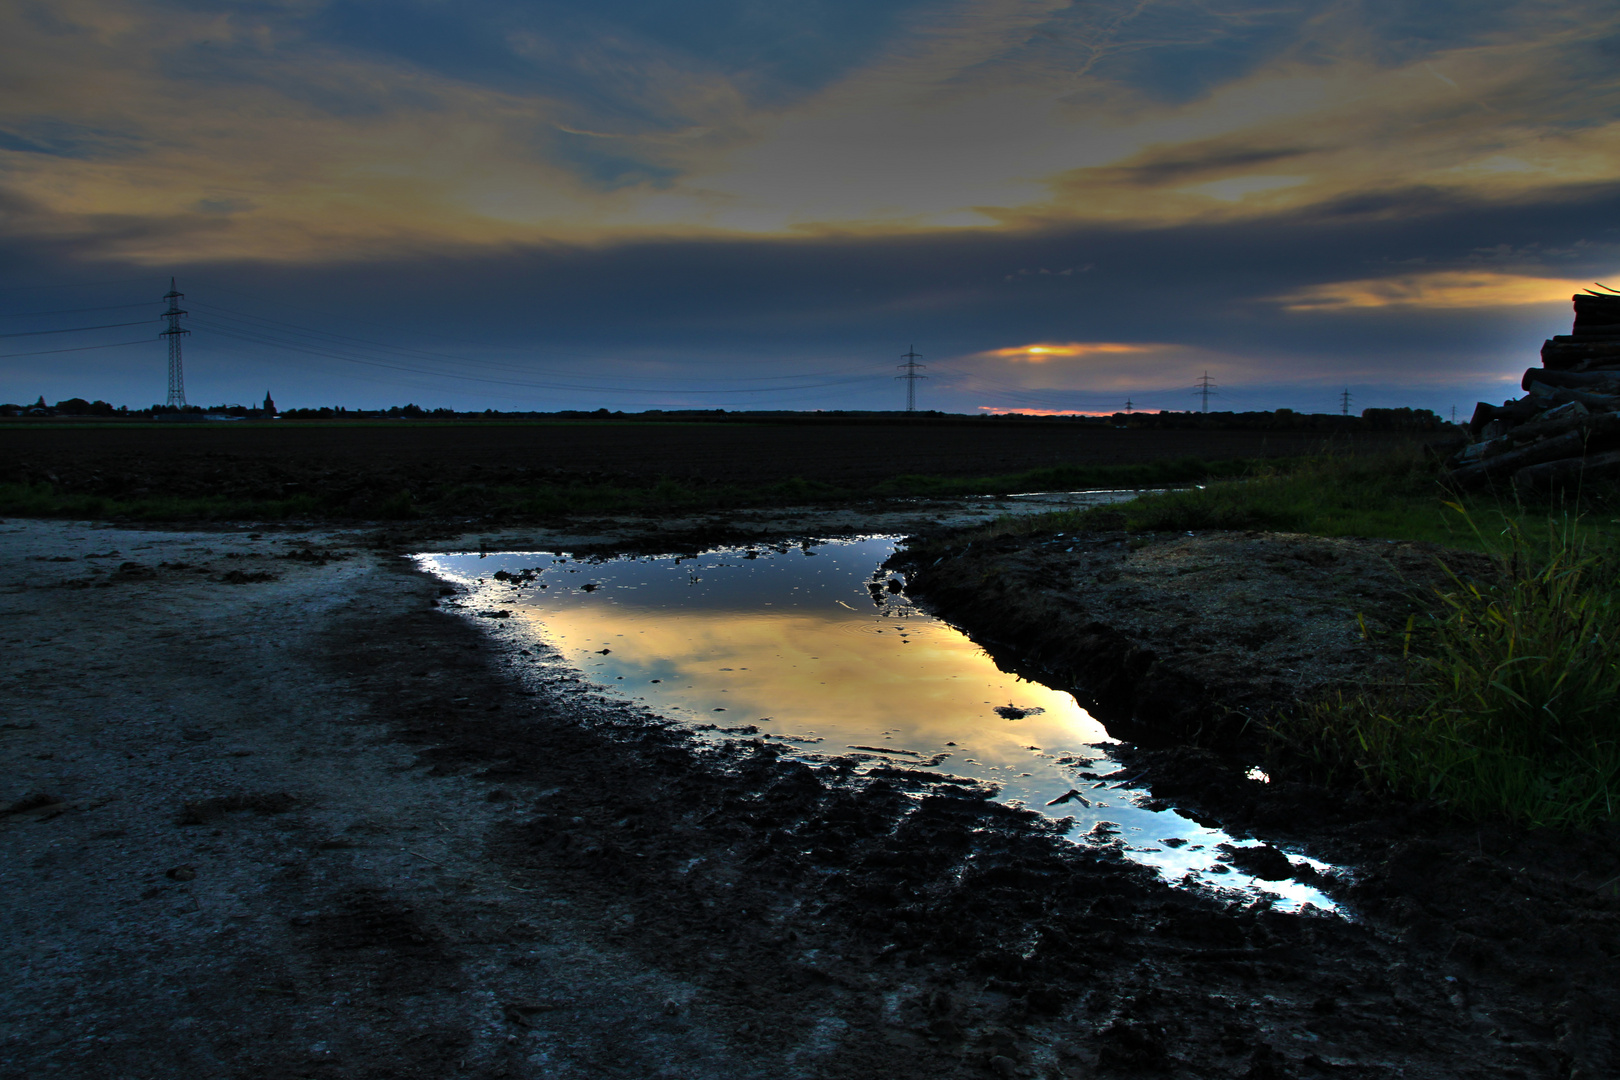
{"x":269,"y":404}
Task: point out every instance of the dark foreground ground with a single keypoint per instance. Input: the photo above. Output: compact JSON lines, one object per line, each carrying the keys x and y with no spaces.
{"x":293,"y":816}
{"x":357,"y":466}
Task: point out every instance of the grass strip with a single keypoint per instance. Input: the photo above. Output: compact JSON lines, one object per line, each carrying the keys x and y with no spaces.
{"x":1398,"y":495}
{"x":1510,"y":703}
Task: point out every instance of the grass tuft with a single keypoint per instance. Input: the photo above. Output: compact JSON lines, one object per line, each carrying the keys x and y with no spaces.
{"x":1510,"y":703}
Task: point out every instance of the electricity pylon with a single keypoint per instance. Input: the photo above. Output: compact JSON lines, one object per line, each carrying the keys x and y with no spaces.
{"x":177,"y":379}
{"x":910,"y":368}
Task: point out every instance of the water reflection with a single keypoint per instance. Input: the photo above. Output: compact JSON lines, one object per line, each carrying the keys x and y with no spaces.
{"x":818,"y":650}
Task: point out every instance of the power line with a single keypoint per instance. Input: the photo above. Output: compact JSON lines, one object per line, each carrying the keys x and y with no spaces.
{"x":75,"y":311}
{"x":69,"y":285}
{"x":356,"y":356}
{"x":276,"y":326}
{"x":81,"y":348}
{"x":345,"y":347}
{"x":77,"y":329}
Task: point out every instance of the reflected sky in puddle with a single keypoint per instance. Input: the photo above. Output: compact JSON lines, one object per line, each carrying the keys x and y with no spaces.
{"x":813,"y":649}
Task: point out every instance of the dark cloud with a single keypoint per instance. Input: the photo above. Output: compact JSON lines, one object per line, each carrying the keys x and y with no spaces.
{"x":1187,"y":164}
{"x":655,"y":314}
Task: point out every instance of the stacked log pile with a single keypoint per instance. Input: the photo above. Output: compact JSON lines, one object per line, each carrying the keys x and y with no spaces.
{"x":1566,"y":429}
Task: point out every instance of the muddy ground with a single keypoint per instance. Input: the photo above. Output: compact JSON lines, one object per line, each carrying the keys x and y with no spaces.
{"x":365,"y":462}
{"x":278,"y":808}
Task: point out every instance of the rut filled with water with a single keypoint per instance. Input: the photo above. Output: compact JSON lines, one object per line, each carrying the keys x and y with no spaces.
{"x":816,"y":649}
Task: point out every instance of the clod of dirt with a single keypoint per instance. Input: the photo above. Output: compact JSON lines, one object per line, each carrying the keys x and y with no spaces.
{"x":1264,"y":862}
{"x":367,"y":918}
{"x":518,"y":1012}
{"x":246,"y":577}
{"x":36,"y":807}
{"x":312,"y":556}
{"x":202,"y":811}
{"x":181,"y":873}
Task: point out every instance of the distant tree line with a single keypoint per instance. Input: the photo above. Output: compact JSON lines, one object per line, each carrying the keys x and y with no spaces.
{"x":1402,"y":419}
{"x":71,"y":407}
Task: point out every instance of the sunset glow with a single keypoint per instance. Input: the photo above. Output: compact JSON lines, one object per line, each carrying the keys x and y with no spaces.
{"x":1072,"y":350}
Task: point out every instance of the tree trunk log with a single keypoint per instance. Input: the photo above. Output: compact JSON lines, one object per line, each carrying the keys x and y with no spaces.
{"x":1592,"y":381}
{"x":1567,"y":473}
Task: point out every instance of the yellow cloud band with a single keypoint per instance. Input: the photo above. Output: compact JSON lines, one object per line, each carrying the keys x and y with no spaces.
{"x":1439,"y":289}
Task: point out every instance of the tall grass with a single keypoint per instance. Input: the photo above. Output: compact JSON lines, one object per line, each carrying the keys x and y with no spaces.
{"x":1510,"y":704}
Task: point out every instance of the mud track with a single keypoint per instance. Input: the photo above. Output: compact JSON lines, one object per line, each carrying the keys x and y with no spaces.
{"x":278,"y":812}
{"x":1190,"y":645}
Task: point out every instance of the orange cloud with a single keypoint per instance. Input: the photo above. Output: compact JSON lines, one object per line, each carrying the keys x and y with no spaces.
{"x":998,"y":410}
{"x":1041,"y":352}
{"x":1438,"y":289}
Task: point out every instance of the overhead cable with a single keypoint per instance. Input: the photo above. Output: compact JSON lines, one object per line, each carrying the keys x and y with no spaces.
{"x":77,"y":329}
{"x":357,"y":357}
{"x":76,"y":311}
{"x":263,"y":325}
{"x":81,"y":348}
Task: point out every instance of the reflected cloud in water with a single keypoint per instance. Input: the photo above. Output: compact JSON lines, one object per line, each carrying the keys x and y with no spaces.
{"x":819,"y":651}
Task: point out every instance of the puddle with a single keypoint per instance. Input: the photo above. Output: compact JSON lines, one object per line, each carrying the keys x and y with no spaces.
{"x":817,"y":650}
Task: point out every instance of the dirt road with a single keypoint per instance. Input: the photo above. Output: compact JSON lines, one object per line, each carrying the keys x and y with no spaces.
{"x":275,"y":810}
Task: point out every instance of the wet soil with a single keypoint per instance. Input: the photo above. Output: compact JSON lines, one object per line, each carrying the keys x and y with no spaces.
{"x":1191,"y":644}
{"x":308,"y":821}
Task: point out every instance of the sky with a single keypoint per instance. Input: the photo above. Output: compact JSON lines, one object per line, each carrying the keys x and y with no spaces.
{"x":749,"y":204}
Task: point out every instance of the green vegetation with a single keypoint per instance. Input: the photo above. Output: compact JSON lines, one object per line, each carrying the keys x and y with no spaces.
{"x":1392,"y":496}
{"x":1510,"y":706}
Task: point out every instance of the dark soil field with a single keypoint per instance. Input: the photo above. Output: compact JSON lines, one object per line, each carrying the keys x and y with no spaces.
{"x":369,"y":459}
{"x":275,"y":804}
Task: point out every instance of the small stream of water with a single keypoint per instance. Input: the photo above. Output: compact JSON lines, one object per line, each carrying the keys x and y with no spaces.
{"x":817,"y":649}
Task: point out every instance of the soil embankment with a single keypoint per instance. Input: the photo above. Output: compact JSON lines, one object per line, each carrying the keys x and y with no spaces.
{"x":278,"y":811}
{"x":1185,"y":639}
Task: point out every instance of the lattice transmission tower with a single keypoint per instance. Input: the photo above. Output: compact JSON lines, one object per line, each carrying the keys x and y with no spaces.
{"x":1344,"y":402}
{"x":177,"y":378}
{"x":1205,"y":388}
{"x":910,"y":368}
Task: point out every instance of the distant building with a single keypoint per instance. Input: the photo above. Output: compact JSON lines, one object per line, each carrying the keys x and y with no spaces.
{"x":269,"y":405}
